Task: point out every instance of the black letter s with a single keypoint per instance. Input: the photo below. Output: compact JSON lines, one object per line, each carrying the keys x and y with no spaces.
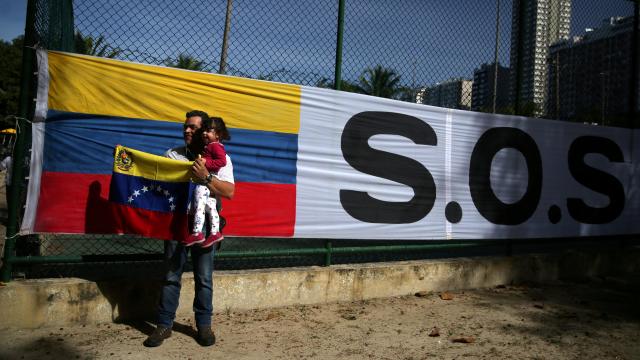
{"x":596,"y":180}
{"x":362,"y":157}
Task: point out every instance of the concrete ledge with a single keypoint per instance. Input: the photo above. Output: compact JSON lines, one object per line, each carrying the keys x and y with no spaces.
{"x":33,"y":303}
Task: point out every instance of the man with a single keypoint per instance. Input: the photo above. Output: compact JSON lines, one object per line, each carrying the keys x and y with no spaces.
{"x":175,"y":253}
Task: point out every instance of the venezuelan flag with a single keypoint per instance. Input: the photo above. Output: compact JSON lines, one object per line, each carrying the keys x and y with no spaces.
{"x":149,"y":195}
{"x":87,"y":105}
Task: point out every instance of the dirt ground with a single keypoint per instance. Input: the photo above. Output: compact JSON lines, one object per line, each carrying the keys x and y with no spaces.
{"x":595,"y":320}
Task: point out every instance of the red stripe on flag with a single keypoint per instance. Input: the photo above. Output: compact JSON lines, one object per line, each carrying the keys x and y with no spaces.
{"x":78,"y":204}
{"x":74,"y":203}
{"x":259,"y":209}
{"x":130,"y":220}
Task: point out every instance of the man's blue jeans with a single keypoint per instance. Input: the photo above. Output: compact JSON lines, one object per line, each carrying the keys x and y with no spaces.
{"x":176,"y":258}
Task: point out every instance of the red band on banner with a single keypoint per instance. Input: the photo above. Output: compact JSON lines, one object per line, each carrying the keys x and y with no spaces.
{"x":78,"y":204}
{"x":74,"y":203}
{"x":259,"y":209}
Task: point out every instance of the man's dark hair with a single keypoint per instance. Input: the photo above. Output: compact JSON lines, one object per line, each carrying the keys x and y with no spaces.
{"x":218,"y":125}
{"x":203,"y":115}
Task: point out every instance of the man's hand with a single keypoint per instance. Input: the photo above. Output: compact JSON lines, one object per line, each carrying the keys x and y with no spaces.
{"x":216,"y":186}
{"x":199,"y":171}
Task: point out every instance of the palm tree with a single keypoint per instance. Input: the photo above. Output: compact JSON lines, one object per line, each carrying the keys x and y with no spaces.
{"x":89,"y":45}
{"x":185,"y":61}
{"x":379,"y":81}
{"x":345,"y":85}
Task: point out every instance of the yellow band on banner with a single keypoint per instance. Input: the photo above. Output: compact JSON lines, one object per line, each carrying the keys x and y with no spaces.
{"x":137,"y":163}
{"x":92,"y":85}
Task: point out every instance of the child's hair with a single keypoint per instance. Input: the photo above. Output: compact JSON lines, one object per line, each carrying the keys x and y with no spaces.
{"x":217,"y":124}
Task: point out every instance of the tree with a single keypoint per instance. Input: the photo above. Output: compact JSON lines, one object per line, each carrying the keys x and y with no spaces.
{"x":89,"y":45}
{"x":185,"y":61}
{"x":379,"y":81}
{"x":406,"y":93}
{"x":345,"y":85}
{"x":10,"y":64}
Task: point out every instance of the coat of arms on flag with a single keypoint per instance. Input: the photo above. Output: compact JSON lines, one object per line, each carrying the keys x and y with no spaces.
{"x":150,"y":194}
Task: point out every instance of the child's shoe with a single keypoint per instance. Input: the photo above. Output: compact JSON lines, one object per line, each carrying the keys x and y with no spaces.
{"x":195,"y":238}
{"x":212,"y":239}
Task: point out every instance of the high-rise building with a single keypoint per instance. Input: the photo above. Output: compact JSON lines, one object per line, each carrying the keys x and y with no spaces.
{"x":453,"y":94}
{"x":483,"y":86}
{"x":535,"y":25}
{"x":589,"y":74}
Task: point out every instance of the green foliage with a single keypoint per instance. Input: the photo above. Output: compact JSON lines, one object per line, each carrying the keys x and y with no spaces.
{"x":10,"y":64}
{"x":406,"y":93}
{"x":186,"y":62}
{"x":379,"y":81}
{"x":345,"y":85}
{"x":89,"y":45}
{"x":530,"y":109}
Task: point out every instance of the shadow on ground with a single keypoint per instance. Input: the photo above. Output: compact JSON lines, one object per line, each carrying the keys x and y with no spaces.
{"x":45,"y":348}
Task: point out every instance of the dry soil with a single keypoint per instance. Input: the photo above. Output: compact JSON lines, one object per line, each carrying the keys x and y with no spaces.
{"x":594,"y":320}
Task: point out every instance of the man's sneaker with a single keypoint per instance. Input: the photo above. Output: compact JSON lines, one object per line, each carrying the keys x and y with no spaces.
{"x":205,"y":336}
{"x":158,"y":336}
{"x":195,"y":238}
{"x":212,"y":239}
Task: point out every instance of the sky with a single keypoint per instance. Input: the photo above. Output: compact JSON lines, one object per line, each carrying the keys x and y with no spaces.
{"x":12,"y":16}
{"x":426,"y":41}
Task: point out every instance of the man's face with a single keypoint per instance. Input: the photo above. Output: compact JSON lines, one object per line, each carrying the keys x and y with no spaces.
{"x":191,"y":130}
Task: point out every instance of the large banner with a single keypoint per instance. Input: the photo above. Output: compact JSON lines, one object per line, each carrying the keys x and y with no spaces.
{"x":319,"y":163}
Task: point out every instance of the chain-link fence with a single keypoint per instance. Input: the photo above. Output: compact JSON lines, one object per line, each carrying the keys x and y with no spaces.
{"x":560,"y":59}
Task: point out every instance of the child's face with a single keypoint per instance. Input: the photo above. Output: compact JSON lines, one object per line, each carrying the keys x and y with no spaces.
{"x":209,"y":136}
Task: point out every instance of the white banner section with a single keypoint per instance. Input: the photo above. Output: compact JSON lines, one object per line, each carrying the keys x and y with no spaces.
{"x":372,"y":168}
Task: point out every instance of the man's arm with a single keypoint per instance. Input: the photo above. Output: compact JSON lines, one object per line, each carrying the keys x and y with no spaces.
{"x":216,"y":186}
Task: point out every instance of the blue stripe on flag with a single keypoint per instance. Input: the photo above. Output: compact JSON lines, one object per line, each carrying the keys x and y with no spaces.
{"x":149,"y":194}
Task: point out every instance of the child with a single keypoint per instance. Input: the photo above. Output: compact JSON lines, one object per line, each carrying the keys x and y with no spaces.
{"x":213,"y":132}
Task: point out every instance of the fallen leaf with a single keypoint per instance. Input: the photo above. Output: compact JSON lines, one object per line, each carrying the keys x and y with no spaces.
{"x":446,"y":296}
{"x":434,"y":332}
{"x":464,"y":339}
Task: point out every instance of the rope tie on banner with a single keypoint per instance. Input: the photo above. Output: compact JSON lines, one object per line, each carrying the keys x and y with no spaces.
{"x":35,"y":46}
{"x":14,"y":236}
{"x":18,"y":129}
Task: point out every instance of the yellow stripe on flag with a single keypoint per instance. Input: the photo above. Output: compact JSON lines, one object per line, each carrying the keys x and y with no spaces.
{"x":138,"y":163}
{"x":92,"y":85}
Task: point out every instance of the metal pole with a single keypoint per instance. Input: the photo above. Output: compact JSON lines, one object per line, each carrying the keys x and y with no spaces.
{"x":517,"y":67}
{"x":24,"y":107}
{"x":633,"y":79}
{"x":495,"y":57}
{"x":327,"y":256}
{"x":338,"y":69}
{"x":558,"y":85}
{"x":225,"y":39}
{"x":602,"y":106}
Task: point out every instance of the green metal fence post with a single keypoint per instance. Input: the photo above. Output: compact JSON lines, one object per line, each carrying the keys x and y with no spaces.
{"x":338,"y":70}
{"x":26,"y":79}
{"x":633,"y":79}
{"x":225,"y":39}
{"x":337,"y":80}
{"x":327,"y":256}
{"x":517,"y":62}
